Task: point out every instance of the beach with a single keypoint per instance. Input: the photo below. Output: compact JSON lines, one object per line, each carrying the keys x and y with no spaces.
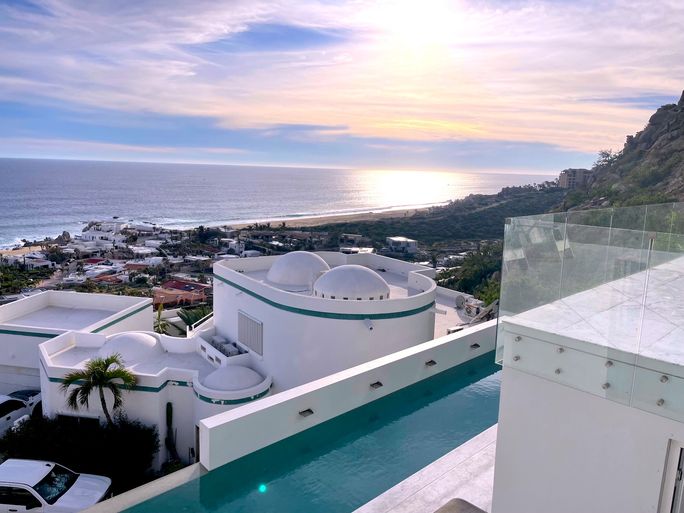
{"x":301,"y":222}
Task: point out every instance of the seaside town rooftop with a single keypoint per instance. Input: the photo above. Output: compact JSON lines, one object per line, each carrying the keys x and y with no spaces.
{"x":59,"y":311}
{"x":394,"y":280}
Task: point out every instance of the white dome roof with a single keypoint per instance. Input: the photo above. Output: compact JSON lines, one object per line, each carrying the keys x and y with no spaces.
{"x":351,"y":282}
{"x":296,"y":270}
{"x":232,"y":377}
{"x":134,"y":347}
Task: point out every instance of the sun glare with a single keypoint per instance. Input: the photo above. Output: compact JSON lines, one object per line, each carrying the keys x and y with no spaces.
{"x":420,"y":24}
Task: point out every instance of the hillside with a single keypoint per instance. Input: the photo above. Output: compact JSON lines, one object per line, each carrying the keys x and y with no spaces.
{"x":649,"y":168}
{"x":475,"y":217}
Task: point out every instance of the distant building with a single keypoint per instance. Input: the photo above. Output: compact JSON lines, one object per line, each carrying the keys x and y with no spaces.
{"x":402,"y":245}
{"x":574,"y":178}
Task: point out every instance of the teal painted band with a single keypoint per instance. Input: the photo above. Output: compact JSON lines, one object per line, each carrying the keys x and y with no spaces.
{"x":138,"y":388}
{"x":326,"y":315}
{"x":232,"y":401}
{"x":141,"y":388}
{"x":28,"y":333}
{"x":123,"y":317}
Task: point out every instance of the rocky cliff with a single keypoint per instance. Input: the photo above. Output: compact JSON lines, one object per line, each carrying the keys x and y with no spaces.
{"x":649,"y":169}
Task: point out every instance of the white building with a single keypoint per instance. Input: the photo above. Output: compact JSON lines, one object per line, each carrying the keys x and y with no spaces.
{"x":402,"y":245}
{"x":591,"y":340}
{"x":27,"y":323}
{"x":305,"y":315}
{"x":196,"y":378}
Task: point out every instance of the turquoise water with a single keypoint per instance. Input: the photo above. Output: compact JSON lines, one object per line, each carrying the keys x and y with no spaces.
{"x":341,"y":464}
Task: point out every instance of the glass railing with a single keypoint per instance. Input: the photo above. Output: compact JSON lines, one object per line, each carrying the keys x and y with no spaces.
{"x":610,"y":277}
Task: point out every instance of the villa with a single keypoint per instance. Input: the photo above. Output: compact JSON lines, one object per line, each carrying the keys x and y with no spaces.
{"x":590,"y":416}
{"x":278,"y":323}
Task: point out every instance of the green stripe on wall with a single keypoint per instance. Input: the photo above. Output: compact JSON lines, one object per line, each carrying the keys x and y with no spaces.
{"x":232,"y":401}
{"x":326,"y":315}
{"x":28,"y":333}
{"x":123,"y":317}
{"x":141,"y":388}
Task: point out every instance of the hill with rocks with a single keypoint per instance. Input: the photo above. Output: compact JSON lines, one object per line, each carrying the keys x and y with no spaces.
{"x":649,"y":168}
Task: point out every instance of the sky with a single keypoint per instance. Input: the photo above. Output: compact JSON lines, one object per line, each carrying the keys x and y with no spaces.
{"x":516,"y":86}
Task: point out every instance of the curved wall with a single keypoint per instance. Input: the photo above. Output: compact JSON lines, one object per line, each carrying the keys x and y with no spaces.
{"x":305,"y":337}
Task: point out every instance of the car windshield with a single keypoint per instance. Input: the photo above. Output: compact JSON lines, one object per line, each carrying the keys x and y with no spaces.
{"x":55,"y":483}
{"x":24,"y":395}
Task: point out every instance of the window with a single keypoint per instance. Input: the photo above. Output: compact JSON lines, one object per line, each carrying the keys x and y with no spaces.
{"x":672,"y":492}
{"x":251,"y":333}
{"x":9,"y":406}
{"x":18,"y":497}
{"x":55,"y":483}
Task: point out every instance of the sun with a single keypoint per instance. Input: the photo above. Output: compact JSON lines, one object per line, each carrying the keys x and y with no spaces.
{"x":420,"y":24}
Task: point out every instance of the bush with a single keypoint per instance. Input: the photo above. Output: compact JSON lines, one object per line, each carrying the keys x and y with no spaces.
{"x":123,"y":452}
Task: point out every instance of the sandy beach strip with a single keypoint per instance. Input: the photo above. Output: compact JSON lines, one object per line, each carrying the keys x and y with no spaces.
{"x":20,"y":251}
{"x":302,"y":222}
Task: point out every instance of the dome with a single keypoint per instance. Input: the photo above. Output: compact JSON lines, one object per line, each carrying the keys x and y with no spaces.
{"x":352,"y":282}
{"x":232,"y":377}
{"x":296,"y":270}
{"x":134,"y":347}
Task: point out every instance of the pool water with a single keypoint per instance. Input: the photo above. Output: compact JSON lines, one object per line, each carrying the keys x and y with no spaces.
{"x":341,"y":464}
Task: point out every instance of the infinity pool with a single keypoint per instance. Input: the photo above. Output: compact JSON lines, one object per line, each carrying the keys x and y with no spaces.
{"x":341,"y":464}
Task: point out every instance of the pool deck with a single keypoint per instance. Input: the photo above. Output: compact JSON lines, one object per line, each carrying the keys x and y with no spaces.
{"x":467,"y":472}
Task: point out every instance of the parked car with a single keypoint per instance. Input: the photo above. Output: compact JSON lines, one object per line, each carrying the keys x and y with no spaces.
{"x":43,"y":486}
{"x":17,"y":405}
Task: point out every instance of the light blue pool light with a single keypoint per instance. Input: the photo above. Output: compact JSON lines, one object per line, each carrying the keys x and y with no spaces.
{"x":262,"y":488}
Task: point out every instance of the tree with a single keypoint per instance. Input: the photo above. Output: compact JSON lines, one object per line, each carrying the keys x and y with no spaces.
{"x":161,"y":325}
{"x":99,"y":374}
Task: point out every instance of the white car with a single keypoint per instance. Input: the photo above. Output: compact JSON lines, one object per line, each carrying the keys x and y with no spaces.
{"x":15,"y":406}
{"x":43,"y":486}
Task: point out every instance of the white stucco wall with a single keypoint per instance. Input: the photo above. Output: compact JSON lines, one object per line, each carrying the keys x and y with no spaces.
{"x":560,"y":450}
{"x":266,"y":421}
{"x":302,"y":347}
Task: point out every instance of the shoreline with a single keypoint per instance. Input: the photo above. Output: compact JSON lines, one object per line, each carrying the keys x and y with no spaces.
{"x":319,"y":220}
{"x":290,"y":222}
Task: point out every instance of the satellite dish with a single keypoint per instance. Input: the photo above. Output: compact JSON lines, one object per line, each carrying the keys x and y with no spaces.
{"x":460,"y":301}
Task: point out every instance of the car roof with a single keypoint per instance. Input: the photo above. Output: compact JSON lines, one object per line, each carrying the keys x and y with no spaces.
{"x":27,"y":472}
{"x":24,"y":394}
{"x":4,"y":398}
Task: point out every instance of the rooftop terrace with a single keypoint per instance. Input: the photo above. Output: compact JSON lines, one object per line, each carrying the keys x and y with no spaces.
{"x":59,"y":311}
{"x":592,"y":299}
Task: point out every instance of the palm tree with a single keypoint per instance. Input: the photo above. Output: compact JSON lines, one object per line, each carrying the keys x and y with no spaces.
{"x":161,"y":325}
{"x":99,"y":373}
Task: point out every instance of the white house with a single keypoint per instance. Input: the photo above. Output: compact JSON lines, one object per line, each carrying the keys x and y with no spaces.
{"x":305,"y":315}
{"x":197,"y":379}
{"x":28,"y":322}
{"x":402,"y":245}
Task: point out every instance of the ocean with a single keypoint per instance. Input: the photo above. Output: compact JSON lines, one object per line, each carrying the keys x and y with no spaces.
{"x":40,"y":198}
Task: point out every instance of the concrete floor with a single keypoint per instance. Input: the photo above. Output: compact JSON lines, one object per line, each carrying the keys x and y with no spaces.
{"x":467,"y":472}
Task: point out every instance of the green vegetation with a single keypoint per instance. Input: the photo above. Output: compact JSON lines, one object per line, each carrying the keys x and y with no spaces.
{"x":14,"y":278}
{"x":161,"y":325}
{"x":99,"y":374}
{"x":191,"y":316}
{"x":479,"y":274}
{"x":122,"y":451}
{"x":475,"y":217}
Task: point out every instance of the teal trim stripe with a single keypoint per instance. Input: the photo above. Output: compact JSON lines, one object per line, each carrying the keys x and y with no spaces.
{"x":326,"y":315}
{"x":123,"y":317}
{"x":137,"y":388}
{"x":28,"y":333}
{"x":141,"y":388}
{"x":232,"y":401}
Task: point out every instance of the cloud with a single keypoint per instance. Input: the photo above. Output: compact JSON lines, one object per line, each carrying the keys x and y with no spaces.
{"x":437,"y":70}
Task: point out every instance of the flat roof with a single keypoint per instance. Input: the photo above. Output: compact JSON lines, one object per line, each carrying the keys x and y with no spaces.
{"x":59,"y":317}
{"x":75,"y":356}
{"x":65,"y":310}
{"x":630,"y":314}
